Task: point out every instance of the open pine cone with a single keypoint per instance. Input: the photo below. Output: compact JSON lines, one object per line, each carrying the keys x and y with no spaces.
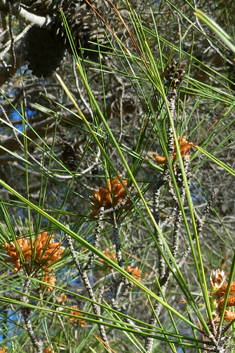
{"x":45,"y":47}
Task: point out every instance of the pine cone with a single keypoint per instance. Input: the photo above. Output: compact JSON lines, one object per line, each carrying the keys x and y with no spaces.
{"x":69,"y":157}
{"x":43,"y":52}
{"x":45,"y":7}
{"x":84,"y":29}
{"x":46,"y":47}
{"x":175,"y":74}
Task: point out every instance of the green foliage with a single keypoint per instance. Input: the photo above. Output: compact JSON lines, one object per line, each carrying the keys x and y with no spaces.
{"x":157,"y":219}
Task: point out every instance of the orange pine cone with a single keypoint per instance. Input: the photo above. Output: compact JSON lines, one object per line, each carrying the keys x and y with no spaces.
{"x":76,"y":319}
{"x":63,"y":297}
{"x":48,"y":350}
{"x":113,"y":194}
{"x":49,"y":280}
{"x":229,"y":316}
{"x":222,"y":290}
{"x":45,"y":251}
{"x":159,"y":159}
{"x":110,"y":255}
{"x":230,"y":302}
{"x":184,"y":148}
{"x":135,"y":272}
{"x":3,"y":349}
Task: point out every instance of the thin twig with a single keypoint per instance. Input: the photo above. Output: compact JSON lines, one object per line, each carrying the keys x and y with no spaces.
{"x":37,"y":343}
{"x":96,"y":237}
{"x":88,"y":287}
